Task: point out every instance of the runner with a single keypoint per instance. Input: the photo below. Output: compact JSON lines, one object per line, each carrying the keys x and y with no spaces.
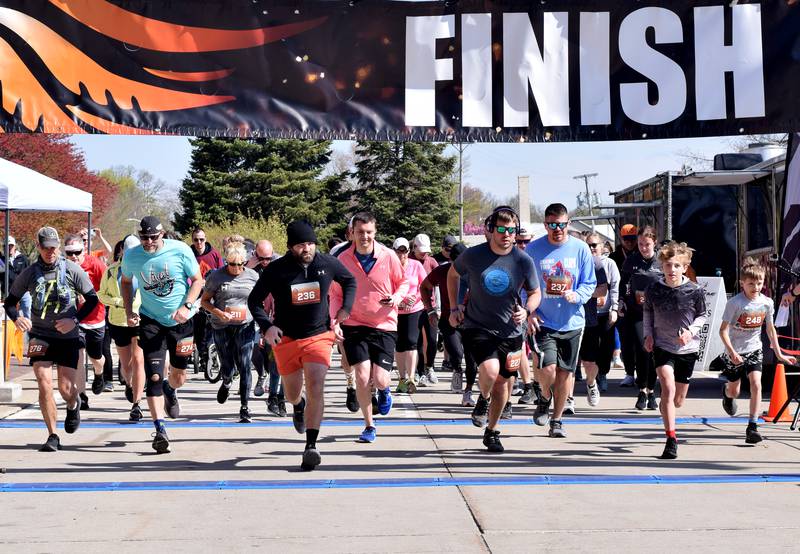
{"x":351,"y":399}
{"x":443,"y":257}
{"x":225,"y":299}
{"x":527,"y":391}
{"x":126,"y":338}
{"x":54,"y":284}
{"x":370,"y":334}
{"x":494,"y":318}
{"x":607,"y":312}
{"x":409,"y":312}
{"x":163,"y":268}
{"x":263,"y":360}
{"x":426,"y":348}
{"x":208,"y":258}
{"x":674,"y":315}
{"x":566,"y":272}
{"x":745,"y":315}
{"x":301,"y":333}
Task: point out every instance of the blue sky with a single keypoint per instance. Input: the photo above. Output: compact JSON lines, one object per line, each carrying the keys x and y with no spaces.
{"x":493,"y":167}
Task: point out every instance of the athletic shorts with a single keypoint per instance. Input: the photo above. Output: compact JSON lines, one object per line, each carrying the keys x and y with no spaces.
{"x":559,"y":348}
{"x":123,"y":335}
{"x":408,"y":331}
{"x":590,"y":344}
{"x":750,"y":362}
{"x":291,"y":354}
{"x":178,"y":340}
{"x":484,"y":346}
{"x":363,"y":344}
{"x":93,"y":341}
{"x":682,"y":364}
{"x":63,"y":352}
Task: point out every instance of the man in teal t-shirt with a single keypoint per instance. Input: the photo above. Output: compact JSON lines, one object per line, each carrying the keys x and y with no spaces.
{"x":164,"y":269}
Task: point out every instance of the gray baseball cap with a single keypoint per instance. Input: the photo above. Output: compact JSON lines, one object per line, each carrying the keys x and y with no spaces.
{"x":47,"y":237}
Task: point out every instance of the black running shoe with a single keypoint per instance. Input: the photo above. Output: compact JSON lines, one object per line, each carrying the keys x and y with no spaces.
{"x":753,"y":436}
{"x":311,"y":459}
{"x":480,"y":413}
{"x":537,"y":392}
{"x":128,"y":393}
{"x":491,"y":440}
{"x":73,"y":419}
{"x":728,"y":404}
{"x":528,"y":396}
{"x":136,"y":413}
{"x":298,"y":416}
{"x":282,"y":407}
{"x":506,"y":413}
{"x":258,"y":390}
{"x":670,"y":449}
{"x":223,"y":392}
{"x":375,"y":403}
{"x":84,"y":401}
{"x":161,"y":442}
{"x":352,"y":400}
{"x":652,"y":402}
{"x":641,"y":400}
{"x":171,"y":405}
{"x":273,"y":406}
{"x":98,"y":384}
{"x":244,"y":415}
{"x":52,"y":444}
{"x":541,"y":416}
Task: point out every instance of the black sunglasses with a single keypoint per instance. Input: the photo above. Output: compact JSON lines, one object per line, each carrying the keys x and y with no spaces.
{"x":524,"y":241}
{"x":149,"y":237}
{"x":593,"y":244}
{"x":235,"y":264}
{"x":73,"y":252}
{"x":553,"y":225}
{"x":264,"y":258}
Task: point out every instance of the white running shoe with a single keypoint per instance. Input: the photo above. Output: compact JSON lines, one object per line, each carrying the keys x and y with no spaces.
{"x":466,"y":399}
{"x":593,"y":394}
{"x":569,"y":406}
{"x":430,"y":374}
{"x":616,"y":363}
{"x":421,"y":380}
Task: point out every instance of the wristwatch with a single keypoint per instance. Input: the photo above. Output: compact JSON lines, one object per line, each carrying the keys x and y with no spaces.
{"x":188,"y":305}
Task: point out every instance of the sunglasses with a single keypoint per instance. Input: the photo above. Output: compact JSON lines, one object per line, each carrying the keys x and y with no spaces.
{"x":199,"y":240}
{"x":264,"y":258}
{"x":593,"y":244}
{"x":236,"y":264}
{"x":502,"y":229}
{"x":144,"y":238}
{"x":71,"y":253}
{"x":524,"y":241}
{"x":402,"y":250}
{"x":553,"y":225}
{"x":629,"y":237}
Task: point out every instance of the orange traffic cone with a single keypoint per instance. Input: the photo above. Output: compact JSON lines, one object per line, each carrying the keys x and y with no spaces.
{"x":779,"y":396}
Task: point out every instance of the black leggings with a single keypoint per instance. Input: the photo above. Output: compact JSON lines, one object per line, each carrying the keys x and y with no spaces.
{"x":454,"y":345}
{"x":606,"y":349}
{"x":108,"y":361}
{"x":645,"y":367}
{"x":408,"y":331}
{"x":425,"y":358}
{"x":627,"y":339}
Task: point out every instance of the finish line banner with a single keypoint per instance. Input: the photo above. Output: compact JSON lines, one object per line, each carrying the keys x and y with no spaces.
{"x":561,"y":70}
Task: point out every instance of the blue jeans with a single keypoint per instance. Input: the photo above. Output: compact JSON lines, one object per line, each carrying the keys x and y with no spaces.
{"x":264,"y":361}
{"x":235,"y":348}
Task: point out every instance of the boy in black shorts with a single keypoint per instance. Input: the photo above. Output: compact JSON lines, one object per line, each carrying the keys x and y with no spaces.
{"x":674,"y":314}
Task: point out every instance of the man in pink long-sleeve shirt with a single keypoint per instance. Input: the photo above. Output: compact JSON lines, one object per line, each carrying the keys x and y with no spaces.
{"x":370,"y":334}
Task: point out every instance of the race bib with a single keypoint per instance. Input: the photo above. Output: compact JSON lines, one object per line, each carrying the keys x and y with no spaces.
{"x":639,"y":297}
{"x":237,"y":313}
{"x":751,"y":320}
{"x":185,"y":347}
{"x":37,"y":347}
{"x":557,"y":286}
{"x":306,"y":293}
{"x":514,"y":361}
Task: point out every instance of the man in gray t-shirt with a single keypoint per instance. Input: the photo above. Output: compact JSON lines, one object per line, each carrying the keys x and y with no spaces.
{"x":230,"y":294}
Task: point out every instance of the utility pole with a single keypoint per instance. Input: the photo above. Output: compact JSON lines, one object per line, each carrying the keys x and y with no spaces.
{"x":585,"y":178}
{"x":460,"y":146}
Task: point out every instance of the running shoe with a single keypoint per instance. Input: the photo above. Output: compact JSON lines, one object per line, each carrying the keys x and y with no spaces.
{"x":593,"y":394}
{"x":616,"y":363}
{"x":652,"y":402}
{"x":627,"y":381}
{"x":457,"y":381}
{"x":556,"y":430}
{"x":446,"y":365}
{"x":506,"y":413}
{"x":258,"y":390}
{"x":527,"y":395}
{"x":273,"y":406}
{"x":421,"y":380}
{"x":412,"y":388}
{"x":537,"y":391}
{"x":298,"y":416}
{"x":374,"y":403}
{"x":128,"y":393}
{"x":466,"y":399}
{"x":431,"y":376}
{"x":569,"y":406}
{"x":752,"y":434}
{"x":311,"y":459}
{"x":52,"y":444}
{"x":491,"y":440}
{"x":136,"y":413}
{"x":282,"y":407}
{"x":516,"y":390}
{"x":244,"y":415}
{"x":402,"y":386}
{"x":602,"y":382}
{"x":352,"y":399}
{"x":480,"y":414}
{"x":73,"y":419}
{"x":368,"y":434}
{"x":160,"y":442}
{"x":384,"y":401}
{"x":223,"y":392}
{"x":542,"y":415}
{"x":171,"y":404}
{"x":728,"y":404}
{"x":84,"y":401}
{"x":97,"y":384}
{"x":108,"y":386}
{"x":670,"y":449}
{"x":641,"y":400}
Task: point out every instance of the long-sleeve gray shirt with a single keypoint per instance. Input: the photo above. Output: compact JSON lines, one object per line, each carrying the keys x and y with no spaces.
{"x":612,"y":280}
{"x":668,"y":310}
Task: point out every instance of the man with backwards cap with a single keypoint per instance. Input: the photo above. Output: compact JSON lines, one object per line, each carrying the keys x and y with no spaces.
{"x":54,"y":284}
{"x":302,"y":333}
{"x":163,"y":269}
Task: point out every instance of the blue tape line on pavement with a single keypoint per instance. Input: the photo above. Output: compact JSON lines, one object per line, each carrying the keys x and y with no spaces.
{"x":29,"y":424}
{"x":533,"y":480}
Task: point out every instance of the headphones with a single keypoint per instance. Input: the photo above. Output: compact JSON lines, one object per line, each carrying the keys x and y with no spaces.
{"x":491,"y":221}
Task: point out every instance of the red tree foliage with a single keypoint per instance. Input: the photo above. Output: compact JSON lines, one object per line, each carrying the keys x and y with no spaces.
{"x":56,"y":157}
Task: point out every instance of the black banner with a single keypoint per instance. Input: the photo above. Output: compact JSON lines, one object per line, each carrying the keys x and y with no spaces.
{"x":560,"y":70}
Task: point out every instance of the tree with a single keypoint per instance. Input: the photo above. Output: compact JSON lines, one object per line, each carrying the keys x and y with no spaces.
{"x":56,"y":157}
{"x":408,"y":186}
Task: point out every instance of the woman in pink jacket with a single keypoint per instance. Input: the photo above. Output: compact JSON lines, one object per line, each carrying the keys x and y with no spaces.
{"x":409,"y":312}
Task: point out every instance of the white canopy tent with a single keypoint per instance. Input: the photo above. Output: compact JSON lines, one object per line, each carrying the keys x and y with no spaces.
{"x":23,"y":189}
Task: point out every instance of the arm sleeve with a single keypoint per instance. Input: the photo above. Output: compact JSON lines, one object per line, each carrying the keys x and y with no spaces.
{"x":10,"y":305}
{"x":700,"y":313}
{"x":647,"y":317}
{"x":255,"y":301}
{"x":587,"y":278}
{"x":613,"y":283}
{"x":90,"y":301}
{"x":347,"y":283}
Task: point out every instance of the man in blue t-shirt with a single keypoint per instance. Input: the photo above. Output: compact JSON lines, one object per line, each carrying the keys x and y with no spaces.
{"x":163,"y":268}
{"x":566,"y":271}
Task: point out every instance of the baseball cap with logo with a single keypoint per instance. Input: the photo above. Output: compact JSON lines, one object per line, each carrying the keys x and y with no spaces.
{"x":422,"y":243}
{"x":628,"y":230}
{"x":150,"y":225}
{"x":47,"y":237}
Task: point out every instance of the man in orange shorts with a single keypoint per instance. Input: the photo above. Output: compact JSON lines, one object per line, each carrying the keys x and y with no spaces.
{"x":301,"y":334}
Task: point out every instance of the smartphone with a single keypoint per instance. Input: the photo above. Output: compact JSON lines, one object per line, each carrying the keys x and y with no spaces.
{"x":386,"y":300}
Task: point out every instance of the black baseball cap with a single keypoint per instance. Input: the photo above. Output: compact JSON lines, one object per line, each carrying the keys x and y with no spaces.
{"x":47,"y":237}
{"x":150,"y":225}
{"x":449,"y":241}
